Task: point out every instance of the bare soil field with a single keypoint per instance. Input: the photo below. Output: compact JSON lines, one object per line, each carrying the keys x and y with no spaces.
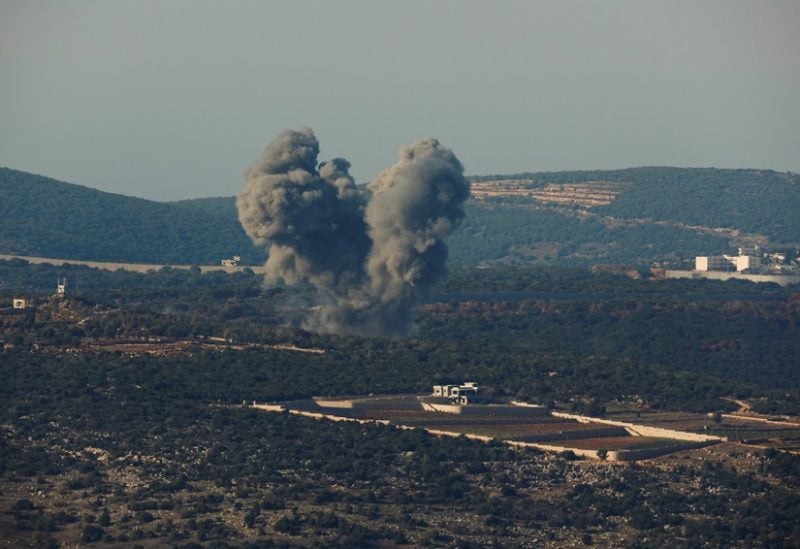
{"x":524,"y":430}
{"x":731,"y":425}
{"x":424,"y":416}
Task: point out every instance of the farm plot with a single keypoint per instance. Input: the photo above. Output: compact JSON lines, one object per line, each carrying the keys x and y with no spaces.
{"x":524,"y":430}
{"x":620,"y":443}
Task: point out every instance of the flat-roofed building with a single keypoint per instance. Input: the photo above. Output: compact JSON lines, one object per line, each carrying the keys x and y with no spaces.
{"x":738,"y":263}
{"x":466,"y":393}
{"x":714,"y":263}
{"x":748,"y":263}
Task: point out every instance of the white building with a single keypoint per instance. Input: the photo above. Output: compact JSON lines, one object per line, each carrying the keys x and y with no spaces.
{"x":748,"y":263}
{"x":20,"y":303}
{"x":738,"y":263}
{"x":467,"y":393}
{"x":713,"y":263}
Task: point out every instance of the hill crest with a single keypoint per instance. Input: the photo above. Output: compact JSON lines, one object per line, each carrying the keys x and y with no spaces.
{"x":635,"y":215}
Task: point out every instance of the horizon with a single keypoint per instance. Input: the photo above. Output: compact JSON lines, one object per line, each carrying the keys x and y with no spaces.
{"x":164,"y":101}
{"x":364,"y":183}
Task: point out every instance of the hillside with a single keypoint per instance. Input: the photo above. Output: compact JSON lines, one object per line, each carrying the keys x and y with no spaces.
{"x":634,"y":216}
{"x":40,"y":216}
{"x":533,"y":234}
{"x":637,"y":215}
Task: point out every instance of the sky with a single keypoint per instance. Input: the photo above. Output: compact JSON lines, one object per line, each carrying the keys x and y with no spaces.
{"x":174,"y":99}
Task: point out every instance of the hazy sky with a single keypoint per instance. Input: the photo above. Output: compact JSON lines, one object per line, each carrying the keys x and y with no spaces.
{"x":174,"y":99}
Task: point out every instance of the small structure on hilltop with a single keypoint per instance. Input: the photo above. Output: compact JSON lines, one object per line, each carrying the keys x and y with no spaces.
{"x":467,"y":393}
{"x":61,"y":288}
{"x":20,"y":303}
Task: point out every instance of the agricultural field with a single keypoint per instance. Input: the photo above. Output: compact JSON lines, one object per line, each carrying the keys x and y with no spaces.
{"x":502,"y":423}
{"x":525,"y":431}
{"x":757,"y":430}
{"x":620,"y":443}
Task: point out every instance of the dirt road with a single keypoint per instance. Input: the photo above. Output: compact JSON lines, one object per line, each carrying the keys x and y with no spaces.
{"x":135,"y":267}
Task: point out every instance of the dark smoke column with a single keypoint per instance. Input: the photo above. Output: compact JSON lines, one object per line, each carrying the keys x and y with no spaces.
{"x":311,"y":222}
{"x":371,"y":261}
{"x":415,"y":204}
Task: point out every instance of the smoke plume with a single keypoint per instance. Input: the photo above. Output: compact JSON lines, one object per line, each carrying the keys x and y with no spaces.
{"x":372,"y":254}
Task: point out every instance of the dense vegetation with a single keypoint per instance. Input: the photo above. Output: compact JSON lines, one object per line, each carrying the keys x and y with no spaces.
{"x":647,"y":222}
{"x":99,"y":444}
{"x":115,"y":461}
{"x":121,"y":450}
{"x":677,"y":344}
{"x":753,"y":201}
{"x":518,"y":233}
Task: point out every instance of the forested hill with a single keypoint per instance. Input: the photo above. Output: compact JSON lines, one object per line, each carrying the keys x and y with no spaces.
{"x":44,"y":217}
{"x":634,"y":216}
{"x":754,"y":201}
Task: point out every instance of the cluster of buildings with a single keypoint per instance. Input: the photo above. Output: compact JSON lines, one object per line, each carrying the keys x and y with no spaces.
{"x":750,"y":264}
{"x":749,"y":260}
{"x":740,"y":263}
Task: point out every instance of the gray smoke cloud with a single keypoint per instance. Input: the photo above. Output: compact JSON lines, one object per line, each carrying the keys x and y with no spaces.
{"x":372,"y":254}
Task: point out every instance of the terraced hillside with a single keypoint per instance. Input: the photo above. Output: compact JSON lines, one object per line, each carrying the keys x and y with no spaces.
{"x":636,"y":216}
{"x":584,"y":193}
